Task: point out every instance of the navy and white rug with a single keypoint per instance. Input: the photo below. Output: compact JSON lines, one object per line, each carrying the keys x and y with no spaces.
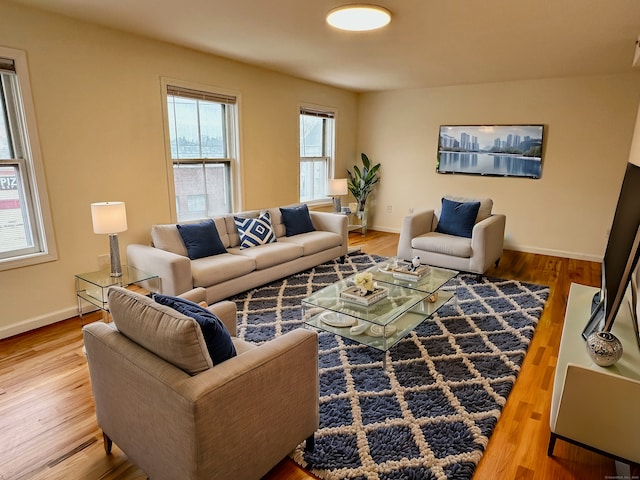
{"x":430,"y":414}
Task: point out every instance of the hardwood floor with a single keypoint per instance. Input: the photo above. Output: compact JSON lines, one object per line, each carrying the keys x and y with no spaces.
{"x":48,"y":428}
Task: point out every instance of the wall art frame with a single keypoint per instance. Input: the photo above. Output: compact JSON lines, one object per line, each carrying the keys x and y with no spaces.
{"x":491,"y":150}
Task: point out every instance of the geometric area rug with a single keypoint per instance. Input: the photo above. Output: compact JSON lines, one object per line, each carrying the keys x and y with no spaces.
{"x":430,"y":413}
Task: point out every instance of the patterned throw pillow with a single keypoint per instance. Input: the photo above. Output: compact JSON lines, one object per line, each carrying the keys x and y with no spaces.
{"x":255,"y":231}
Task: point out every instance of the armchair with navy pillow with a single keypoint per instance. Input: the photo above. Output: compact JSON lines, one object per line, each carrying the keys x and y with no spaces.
{"x":183,"y":397}
{"x":462,"y":234}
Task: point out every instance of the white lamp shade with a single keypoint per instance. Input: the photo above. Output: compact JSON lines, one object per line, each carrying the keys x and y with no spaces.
{"x":109,"y":217}
{"x":337,"y":187}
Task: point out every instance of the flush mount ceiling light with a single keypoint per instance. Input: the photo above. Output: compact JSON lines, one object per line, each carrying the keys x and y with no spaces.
{"x":359,"y":17}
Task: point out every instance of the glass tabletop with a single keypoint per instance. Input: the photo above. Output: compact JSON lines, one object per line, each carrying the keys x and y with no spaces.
{"x":103,"y":278}
{"x":429,"y":283}
{"x":398,"y":301}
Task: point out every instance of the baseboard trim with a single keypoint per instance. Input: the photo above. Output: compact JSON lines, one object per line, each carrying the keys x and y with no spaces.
{"x":554,"y":253}
{"x":37,"y":322}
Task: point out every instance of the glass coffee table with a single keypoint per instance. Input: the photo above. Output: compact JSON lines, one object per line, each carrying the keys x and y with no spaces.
{"x":385,"y":322}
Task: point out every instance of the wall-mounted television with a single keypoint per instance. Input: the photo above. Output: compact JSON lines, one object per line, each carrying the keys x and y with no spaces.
{"x":495,"y":150}
{"x":620,"y":257}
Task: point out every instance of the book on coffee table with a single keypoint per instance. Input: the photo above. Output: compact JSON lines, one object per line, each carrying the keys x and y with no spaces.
{"x":406,"y":272}
{"x":352,"y":294}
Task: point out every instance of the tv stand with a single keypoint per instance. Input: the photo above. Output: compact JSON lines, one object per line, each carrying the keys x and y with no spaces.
{"x":592,"y":406}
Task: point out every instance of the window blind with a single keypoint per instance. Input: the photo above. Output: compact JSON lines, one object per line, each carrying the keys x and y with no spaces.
{"x":200,"y":95}
{"x":7,"y":65}
{"x":316,"y":113}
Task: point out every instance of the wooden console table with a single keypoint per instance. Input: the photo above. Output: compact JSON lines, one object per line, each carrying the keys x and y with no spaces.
{"x":596,"y":407}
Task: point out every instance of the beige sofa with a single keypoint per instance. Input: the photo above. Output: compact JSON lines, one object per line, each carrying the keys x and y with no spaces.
{"x":238,"y":269}
{"x":475,"y":254}
{"x":158,"y":397}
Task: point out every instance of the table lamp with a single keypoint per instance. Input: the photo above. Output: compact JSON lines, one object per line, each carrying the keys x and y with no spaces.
{"x":337,"y":187}
{"x":111,"y":218}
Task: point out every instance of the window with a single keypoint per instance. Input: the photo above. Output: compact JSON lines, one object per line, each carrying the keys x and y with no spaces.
{"x":23,"y":228}
{"x":316,"y":152}
{"x":201,"y":129}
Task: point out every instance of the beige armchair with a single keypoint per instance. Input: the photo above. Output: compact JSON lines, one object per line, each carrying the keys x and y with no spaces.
{"x":176,"y":416}
{"x":476,"y":254}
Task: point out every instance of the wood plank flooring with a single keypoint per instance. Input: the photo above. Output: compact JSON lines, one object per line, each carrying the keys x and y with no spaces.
{"x":47,"y":419}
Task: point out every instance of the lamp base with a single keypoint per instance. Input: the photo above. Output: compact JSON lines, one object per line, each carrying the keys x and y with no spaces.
{"x":114,"y":254}
{"x":337,"y":204}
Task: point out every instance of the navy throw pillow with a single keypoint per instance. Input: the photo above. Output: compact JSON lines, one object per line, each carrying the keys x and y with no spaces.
{"x":215,"y":334}
{"x":296,"y":220}
{"x":201,"y":239}
{"x":457,"y":218}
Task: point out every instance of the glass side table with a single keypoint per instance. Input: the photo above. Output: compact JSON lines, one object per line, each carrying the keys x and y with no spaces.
{"x":92,"y":287}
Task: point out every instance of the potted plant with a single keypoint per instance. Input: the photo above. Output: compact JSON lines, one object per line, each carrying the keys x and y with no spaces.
{"x":361,"y":182}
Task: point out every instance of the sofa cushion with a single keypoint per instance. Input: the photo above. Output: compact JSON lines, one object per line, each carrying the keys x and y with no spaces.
{"x":166,"y":237}
{"x":255,"y":231}
{"x":215,"y":334}
{"x":168,"y":334}
{"x":266,"y":256}
{"x":457,"y":218}
{"x":296,"y":220}
{"x":208,"y":271}
{"x":314,"y":242}
{"x":201,"y":239}
{"x":441,"y":243}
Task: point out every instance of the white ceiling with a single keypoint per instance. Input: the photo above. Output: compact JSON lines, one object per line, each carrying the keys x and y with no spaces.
{"x":428,"y":43}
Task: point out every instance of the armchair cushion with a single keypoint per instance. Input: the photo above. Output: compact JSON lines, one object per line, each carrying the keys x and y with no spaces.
{"x":296,"y":220}
{"x":201,"y":239}
{"x":216,"y":335}
{"x":255,"y":231}
{"x":457,"y":218}
{"x":168,"y":334}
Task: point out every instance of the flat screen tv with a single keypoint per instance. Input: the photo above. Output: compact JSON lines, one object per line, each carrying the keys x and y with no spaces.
{"x":492,"y":150}
{"x":620,"y":257}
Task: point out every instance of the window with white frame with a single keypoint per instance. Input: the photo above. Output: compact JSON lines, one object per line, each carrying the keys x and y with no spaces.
{"x":26,"y":234}
{"x":317,"y":132}
{"x":202,"y":130}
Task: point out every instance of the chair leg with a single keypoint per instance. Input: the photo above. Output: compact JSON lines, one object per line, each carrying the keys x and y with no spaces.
{"x":107,"y":442}
{"x":310,"y":443}
{"x":497,"y":262}
{"x":343,"y":259}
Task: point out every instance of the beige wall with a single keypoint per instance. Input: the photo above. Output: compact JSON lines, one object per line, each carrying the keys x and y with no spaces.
{"x":98,"y":105}
{"x":589,"y":123}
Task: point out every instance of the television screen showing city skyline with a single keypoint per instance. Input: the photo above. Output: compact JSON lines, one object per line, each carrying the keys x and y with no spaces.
{"x":496,"y":150}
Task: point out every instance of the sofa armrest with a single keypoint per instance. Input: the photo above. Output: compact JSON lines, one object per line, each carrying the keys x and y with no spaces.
{"x":226,"y":312}
{"x":174,"y":270}
{"x":330,"y":222}
{"x":412,"y":226}
{"x":487,"y":242}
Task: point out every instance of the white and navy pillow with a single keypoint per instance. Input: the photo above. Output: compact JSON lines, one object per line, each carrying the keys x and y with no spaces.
{"x":255,"y":231}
